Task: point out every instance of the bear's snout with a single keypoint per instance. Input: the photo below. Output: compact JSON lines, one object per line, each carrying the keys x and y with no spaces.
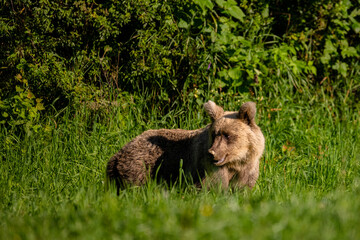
{"x":219,"y":159}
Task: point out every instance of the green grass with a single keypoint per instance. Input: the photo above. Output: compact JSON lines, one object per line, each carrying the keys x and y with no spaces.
{"x":52,"y":182}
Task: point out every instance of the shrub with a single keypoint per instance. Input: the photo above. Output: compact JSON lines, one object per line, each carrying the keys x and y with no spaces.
{"x":80,"y":51}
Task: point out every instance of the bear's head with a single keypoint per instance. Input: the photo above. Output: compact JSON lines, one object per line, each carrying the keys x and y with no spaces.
{"x":236,"y":139}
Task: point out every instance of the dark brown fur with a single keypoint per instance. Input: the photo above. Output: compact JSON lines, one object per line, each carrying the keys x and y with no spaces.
{"x":227,"y":151}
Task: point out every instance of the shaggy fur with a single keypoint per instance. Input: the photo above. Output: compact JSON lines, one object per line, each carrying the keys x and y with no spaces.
{"x":227,"y":151}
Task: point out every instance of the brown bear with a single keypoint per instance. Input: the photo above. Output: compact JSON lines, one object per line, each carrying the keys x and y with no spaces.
{"x":227,"y":151}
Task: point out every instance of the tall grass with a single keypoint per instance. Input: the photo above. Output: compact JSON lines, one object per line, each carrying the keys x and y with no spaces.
{"x":52,"y":182}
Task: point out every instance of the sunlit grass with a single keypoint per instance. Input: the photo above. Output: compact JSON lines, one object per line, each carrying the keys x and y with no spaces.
{"x":52,"y":182}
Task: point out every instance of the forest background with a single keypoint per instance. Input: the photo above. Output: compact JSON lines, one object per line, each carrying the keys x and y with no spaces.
{"x":78,"y":79}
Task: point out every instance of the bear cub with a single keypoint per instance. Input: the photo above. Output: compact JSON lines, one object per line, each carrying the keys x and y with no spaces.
{"x":226,"y":152}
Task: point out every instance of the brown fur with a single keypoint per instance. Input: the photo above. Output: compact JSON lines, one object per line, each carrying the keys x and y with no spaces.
{"x":227,"y":151}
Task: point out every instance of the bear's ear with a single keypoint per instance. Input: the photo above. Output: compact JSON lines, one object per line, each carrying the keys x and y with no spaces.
{"x":247,"y":113}
{"x":214,"y":111}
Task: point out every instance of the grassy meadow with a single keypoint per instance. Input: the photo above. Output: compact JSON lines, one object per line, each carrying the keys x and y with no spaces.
{"x":52,"y":181}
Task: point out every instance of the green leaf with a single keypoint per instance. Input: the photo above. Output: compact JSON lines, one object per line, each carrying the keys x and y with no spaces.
{"x":325,"y":58}
{"x":231,"y":2}
{"x":329,"y":47}
{"x":205,"y":4}
{"x":39,"y":105}
{"x":32,"y":112}
{"x":265,"y":12}
{"x":349,"y":52}
{"x":18,"y":89}
{"x":236,"y":12}
{"x":235,"y":73}
{"x":221,"y":3}
{"x":341,"y":67}
{"x":313,"y":70}
{"x":183,"y":24}
{"x":356,"y":26}
{"x":219,"y":84}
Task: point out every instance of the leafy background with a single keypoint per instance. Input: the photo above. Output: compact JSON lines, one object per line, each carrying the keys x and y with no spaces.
{"x":60,"y":53}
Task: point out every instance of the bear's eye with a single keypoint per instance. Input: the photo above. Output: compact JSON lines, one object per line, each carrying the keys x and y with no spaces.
{"x":226,"y":136}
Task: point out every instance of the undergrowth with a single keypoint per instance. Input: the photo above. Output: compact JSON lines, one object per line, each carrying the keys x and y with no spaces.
{"x":52,"y":182}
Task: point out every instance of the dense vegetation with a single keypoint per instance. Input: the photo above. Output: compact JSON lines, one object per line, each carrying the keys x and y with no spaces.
{"x":56,"y":53}
{"x":78,"y":79}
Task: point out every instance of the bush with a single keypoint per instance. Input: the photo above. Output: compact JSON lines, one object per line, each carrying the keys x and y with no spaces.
{"x":79,"y":51}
